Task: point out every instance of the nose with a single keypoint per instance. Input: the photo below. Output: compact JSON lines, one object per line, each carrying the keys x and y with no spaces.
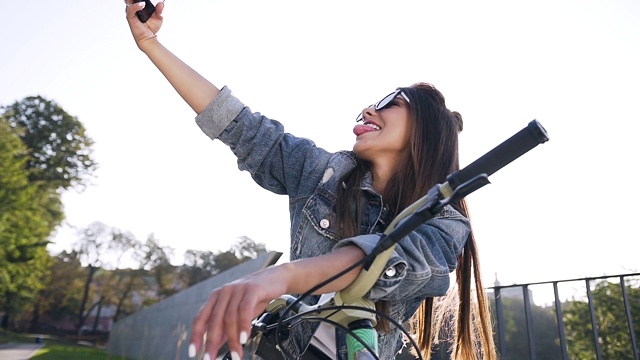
{"x":366,"y":112}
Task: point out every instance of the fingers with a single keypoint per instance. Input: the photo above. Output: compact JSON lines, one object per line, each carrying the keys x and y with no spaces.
{"x":199,"y":326}
{"x":247,"y":308}
{"x":218,"y":322}
{"x":132,"y":8}
{"x":226,"y":321}
{"x":226,"y":317}
{"x":159,"y":9}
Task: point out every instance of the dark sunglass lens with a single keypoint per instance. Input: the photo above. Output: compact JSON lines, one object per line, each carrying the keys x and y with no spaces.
{"x":386,"y":100}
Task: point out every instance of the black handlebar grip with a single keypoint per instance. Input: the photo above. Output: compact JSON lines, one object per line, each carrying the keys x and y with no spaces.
{"x":511,"y":149}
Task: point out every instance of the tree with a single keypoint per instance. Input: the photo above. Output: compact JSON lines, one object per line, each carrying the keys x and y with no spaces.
{"x":198,"y":266}
{"x":246,"y":248}
{"x":129,"y":281}
{"x":242,"y":250}
{"x":611,"y":320}
{"x":157,"y":260}
{"x":91,"y":248}
{"x":201,"y":265}
{"x":545,"y":333}
{"x":61,"y":297}
{"x":103,"y":250}
{"x":42,"y":150}
{"x":107,"y":286}
{"x":28,"y":214}
{"x":59,"y":149}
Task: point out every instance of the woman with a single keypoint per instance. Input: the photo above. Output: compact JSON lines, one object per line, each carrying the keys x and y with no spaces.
{"x":339,"y":204}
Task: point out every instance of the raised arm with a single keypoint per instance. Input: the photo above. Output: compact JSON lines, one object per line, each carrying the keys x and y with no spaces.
{"x":192,"y":87}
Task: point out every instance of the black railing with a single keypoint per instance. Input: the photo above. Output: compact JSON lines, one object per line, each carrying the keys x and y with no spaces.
{"x":607,"y":313}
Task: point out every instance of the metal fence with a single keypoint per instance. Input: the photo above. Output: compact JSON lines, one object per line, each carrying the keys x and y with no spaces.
{"x":502,"y":292}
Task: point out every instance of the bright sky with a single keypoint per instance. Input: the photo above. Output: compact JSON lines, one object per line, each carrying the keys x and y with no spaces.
{"x":566,"y":209}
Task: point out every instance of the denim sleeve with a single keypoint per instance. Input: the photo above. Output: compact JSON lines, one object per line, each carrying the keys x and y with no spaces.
{"x":277,"y":161}
{"x":421,"y":261}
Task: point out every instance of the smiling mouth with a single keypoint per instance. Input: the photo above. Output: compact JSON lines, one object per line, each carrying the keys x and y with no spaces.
{"x":372,"y":125}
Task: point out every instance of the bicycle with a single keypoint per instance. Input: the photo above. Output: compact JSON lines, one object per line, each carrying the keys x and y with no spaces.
{"x":348,"y":308}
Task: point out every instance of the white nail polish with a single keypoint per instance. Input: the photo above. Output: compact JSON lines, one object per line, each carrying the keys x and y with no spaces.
{"x":235,"y":356}
{"x":243,"y":337}
{"x":192,"y":351}
{"x":206,"y":357}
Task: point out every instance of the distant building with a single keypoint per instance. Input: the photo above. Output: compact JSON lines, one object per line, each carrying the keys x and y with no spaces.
{"x":509,"y":291}
{"x":104,"y":322}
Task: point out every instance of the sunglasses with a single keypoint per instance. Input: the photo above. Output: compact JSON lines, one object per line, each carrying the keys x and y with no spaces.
{"x":385,"y":102}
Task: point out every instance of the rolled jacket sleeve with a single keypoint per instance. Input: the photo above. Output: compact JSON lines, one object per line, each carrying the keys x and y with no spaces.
{"x":220,"y":112}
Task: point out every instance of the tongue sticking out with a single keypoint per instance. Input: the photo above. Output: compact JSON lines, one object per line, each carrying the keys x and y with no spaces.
{"x":361,"y":129}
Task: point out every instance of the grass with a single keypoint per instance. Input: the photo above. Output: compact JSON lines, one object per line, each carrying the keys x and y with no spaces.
{"x":8,"y":336}
{"x":59,"y":351}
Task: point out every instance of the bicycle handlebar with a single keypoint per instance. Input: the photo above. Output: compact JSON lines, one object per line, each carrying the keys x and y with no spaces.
{"x":511,"y":149}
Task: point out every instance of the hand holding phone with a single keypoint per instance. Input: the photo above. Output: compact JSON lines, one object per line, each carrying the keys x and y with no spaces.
{"x":145,"y":13}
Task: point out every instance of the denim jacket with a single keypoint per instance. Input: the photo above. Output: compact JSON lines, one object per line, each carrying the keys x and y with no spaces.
{"x":309,"y":176}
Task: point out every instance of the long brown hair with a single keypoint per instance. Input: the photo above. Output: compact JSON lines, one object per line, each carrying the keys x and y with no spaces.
{"x":434,"y":155}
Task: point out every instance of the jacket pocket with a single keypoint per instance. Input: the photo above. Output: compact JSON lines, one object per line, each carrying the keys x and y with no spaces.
{"x":316,"y":232}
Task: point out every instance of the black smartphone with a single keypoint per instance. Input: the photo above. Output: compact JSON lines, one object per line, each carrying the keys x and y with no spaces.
{"x":145,"y":13}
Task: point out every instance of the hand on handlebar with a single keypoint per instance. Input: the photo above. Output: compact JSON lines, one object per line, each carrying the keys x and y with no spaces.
{"x":228,"y":313}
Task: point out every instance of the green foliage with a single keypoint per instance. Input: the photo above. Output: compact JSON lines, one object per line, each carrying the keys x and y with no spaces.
{"x":201,"y":265}
{"x":61,"y":296}
{"x":611,"y":319}
{"x":130,"y":281}
{"x":545,"y":330}
{"x":59,"y":150}
{"x":28,"y":214}
{"x":246,"y":249}
{"x":42,"y":150}
{"x":157,"y":259}
{"x":90,"y":276}
{"x":198,"y":266}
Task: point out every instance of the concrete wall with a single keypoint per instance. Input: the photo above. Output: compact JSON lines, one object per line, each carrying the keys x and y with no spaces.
{"x":162,"y":331}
